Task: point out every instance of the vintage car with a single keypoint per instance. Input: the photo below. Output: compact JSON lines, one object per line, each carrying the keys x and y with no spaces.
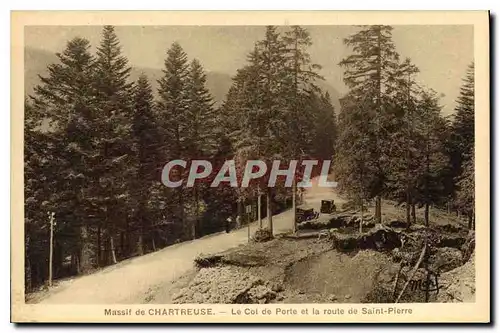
{"x":327,"y":207}
{"x":306,"y":214}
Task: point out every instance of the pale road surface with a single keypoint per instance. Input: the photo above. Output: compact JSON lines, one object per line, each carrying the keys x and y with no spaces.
{"x":129,"y":280}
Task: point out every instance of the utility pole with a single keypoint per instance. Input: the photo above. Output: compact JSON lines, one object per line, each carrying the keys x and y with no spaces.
{"x":51,"y":246}
{"x":294,"y":199}
{"x":295,"y":91}
{"x":294,"y":194}
{"x":259,"y":206}
{"x":248,"y":218}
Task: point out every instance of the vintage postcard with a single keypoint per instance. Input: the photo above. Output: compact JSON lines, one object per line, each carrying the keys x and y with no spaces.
{"x":250,"y":167}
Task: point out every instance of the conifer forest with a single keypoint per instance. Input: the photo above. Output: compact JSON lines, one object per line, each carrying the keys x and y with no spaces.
{"x":96,"y":139}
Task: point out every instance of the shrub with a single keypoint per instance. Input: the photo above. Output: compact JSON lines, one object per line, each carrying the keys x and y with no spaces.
{"x":262,"y":235}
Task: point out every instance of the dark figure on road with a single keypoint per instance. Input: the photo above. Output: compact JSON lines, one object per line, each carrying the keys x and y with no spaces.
{"x":228,"y":224}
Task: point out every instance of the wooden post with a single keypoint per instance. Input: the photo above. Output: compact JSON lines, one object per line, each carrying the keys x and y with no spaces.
{"x":248,"y":227}
{"x":248,"y":218}
{"x":362,"y":219}
{"x":294,"y":208}
{"x":51,"y":245}
{"x":259,"y":207}
{"x":269,"y":210}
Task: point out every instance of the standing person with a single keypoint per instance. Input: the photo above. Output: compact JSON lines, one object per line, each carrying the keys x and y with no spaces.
{"x":238,"y":221}
{"x":229,"y":220}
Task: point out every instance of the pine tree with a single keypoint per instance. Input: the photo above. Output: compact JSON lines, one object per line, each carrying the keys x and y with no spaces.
{"x":243,"y":117}
{"x":65,"y":101}
{"x":200,"y":117}
{"x":431,"y":132}
{"x":401,"y":163}
{"x":36,"y":179}
{"x":272,"y":67}
{"x":148,"y":141}
{"x":200,"y":130}
{"x":355,"y":158}
{"x":369,"y":76}
{"x":116,"y":158}
{"x":463,"y":124}
{"x":462,"y":143}
{"x":302,"y":77}
{"x":172,"y":109}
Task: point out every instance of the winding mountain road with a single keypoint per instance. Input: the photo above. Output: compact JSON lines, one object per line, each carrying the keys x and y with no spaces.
{"x":128,"y":281}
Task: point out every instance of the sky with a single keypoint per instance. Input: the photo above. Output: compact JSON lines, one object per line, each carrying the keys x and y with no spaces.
{"x":441,"y":52}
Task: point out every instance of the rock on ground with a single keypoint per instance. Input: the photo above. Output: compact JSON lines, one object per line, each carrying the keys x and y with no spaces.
{"x":225,"y":285}
{"x":445,"y":259}
{"x":458,"y":285}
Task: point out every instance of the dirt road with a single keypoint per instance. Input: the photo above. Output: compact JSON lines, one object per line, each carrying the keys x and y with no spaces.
{"x":129,"y":280}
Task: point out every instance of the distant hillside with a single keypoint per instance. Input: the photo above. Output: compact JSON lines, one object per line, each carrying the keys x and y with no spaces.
{"x":36,"y":62}
{"x":217,"y":83}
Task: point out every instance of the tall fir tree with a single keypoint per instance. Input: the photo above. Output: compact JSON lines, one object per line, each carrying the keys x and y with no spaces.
{"x":116,"y":159}
{"x":369,"y":76}
{"x":200,"y":117}
{"x":463,"y":124}
{"x":37,"y":185}
{"x":148,"y":141}
{"x":461,"y":147}
{"x":303,"y":75}
{"x":401,"y":162}
{"x":356,"y":156}
{"x":302,"y":78}
{"x":431,"y":133}
{"x":271,"y":58}
{"x":200,"y":133}
{"x":65,"y":101}
{"x":172,"y":106}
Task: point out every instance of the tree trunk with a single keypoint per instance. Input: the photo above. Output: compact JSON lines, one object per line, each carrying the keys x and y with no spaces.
{"x":99,"y":250}
{"x":197,"y":214}
{"x":51,"y":249}
{"x":85,"y":253}
{"x":140,"y":244}
{"x":74,"y":263}
{"x":128,"y":238}
{"x":259,"y":208}
{"x":122,"y":245}
{"x":408,"y":151}
{"x":269,"y":210}
{"x":426,"y":215}
{"x":408,"y":211}
{"x":378,"y":209}
{"x":473,"y":217}
{"x":112,"y":248}
{"x":77,"y":262}
{"x":294,"y":205}
{"x":362,"y":218}
{"x":413,"y":213}
{"x":240,"y":213}
{"x":28,"y":286}
{"x":378,"y":202}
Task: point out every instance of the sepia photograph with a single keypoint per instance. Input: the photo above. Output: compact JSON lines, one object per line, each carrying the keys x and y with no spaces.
{"x":251,"y":164}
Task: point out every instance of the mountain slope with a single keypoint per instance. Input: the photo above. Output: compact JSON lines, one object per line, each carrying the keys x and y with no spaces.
{"x":36,"y":62}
